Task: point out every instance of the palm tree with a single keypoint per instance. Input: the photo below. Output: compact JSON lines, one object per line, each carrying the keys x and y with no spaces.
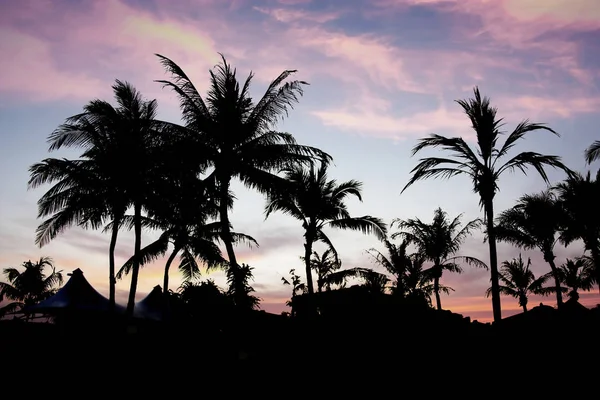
{"x":418,"y":281}
{"x":395,"y":263}
{"x":483,"y":165}
{"x":29,"y":286}
{"x":374,"y":281}
{"x":82,"y":195}
{"x":438,"y":242}
{"x":324,"y":265}
{"x":318,"y":203}
{"x":122,"y":146}
{"x":577,"y":275}
{"x":245,"y":300}
{"x":182,"y":214}
{"x":518,"y":281}
{"x":579,"y":196}
{"x":534,"y":222}
{"x":592,"y":153}
{"x":237,"y":136}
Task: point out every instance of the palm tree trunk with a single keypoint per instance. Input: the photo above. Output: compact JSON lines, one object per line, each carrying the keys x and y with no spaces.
{"x":307,"y":253}
{"x":550,"y":259}
{"x":135,"y":270}
{"x":165,"y":306}
{"x":112,"y":282}
{"x":524,"y":308}
{"x":227,"y":239}
{"x":167,"y":266}
{"x":496,"y":305}
{"x":436,"y":290}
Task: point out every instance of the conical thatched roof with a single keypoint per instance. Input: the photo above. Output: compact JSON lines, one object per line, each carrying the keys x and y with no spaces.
{"x":151,"y":307}
{"x":76,"y":295}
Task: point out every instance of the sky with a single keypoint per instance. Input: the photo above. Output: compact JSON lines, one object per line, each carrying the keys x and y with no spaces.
{"x":382,"y":74}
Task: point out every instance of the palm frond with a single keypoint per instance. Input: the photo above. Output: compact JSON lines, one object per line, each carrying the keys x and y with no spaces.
{"x":592,"y":153}
{"x":365,"y":224}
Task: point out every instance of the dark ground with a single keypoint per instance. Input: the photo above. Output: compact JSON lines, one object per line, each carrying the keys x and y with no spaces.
{"x":273,"y":354}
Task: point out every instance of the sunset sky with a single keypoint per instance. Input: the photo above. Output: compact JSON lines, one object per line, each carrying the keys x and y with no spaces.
{"x":382,"y":74}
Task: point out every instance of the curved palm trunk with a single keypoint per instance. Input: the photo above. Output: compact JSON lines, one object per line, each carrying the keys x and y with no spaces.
{"x":112,"y":282}
{"x":135,"y":270}
{"x":496,"y":305}
{"x":166,"y":283}
{"x":227,"y":239}
{"x":524,"y":308}
{"x":167,"y":266}
{"x":550,"y":260}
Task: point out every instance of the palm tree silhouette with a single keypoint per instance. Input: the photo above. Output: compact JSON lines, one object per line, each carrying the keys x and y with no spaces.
{"x":518,"y":281}
{"x":318,"y":203}
{"x":578,"y":196}
{"x":483,"y":165}
{"x":29,"y":286}
{"x":592,"y":153}
{"x":395,"y":263}
{"x":235,"y":136}
{"x":122,"y":147}
{"x":438,"y":242}
{"x":245,"y":300}
{"x":534,"y":222}
{"x":181,"y":213}
{"x":324,"y":265}
{"x":418,"y":281}
{"x":577,"y":275}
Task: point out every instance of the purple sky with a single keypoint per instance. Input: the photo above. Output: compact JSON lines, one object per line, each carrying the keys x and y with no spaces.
{"x":382,"y":74}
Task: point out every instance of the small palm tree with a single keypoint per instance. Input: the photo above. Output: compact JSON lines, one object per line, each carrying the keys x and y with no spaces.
{"x":437,"y":242}
{"x":534,"y":222}
{"x":230,"y":133}
{"x":483,"y":165}
{"x":395,"y":263}
{"x":518,"y":281}
{"x":318,"y":203}
{"x":577,"y":275}
{"x":418,"y":281}
{"x":245,"y":300}
{"x":579,"y":196}
{"x":29,"y":286}
{"x":324,"y":265}
{"x":592,"y":153}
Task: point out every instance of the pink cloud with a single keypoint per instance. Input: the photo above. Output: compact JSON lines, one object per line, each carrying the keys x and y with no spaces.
{"x":29,"y":71}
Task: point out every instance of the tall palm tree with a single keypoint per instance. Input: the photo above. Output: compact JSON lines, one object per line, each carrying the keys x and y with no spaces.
{"x":438,"y":242}
{"x":84,"y":194}
{"x":483,"y":165}
{"x":29,"y":286}
{"x":592,"y":153}
{"x":579,"y":196}
{"x":577,"y":275}
{"x":518,"y":281}
{"x":534,"y":222}
{"x":319,"y":203}
{"x":237,"y":136}
{"x":122,"y":145}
